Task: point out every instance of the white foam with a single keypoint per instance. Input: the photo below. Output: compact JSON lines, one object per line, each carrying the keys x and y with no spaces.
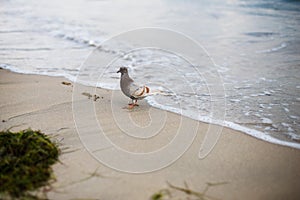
{"x":267,"y":128}
{"x":262,"y":106}
{"x":235,"y":100}
{"x":294,"y":136}
{"x":285,"y":124}
{"x":281,"y":46}
{"x":261,"y":135}
{"x":255,"y":133}
{"x":294,"y":117}
{"x":266,"y":120}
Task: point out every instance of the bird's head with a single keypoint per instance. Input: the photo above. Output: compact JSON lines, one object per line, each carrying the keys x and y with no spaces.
{"x":123,"y":70}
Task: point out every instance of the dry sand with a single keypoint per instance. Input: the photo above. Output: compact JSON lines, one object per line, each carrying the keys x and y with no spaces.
{"x":253,"y":169}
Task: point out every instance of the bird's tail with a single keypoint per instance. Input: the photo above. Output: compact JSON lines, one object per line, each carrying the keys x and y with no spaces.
{"x":145,"y":91}
{"x":159,"y":92}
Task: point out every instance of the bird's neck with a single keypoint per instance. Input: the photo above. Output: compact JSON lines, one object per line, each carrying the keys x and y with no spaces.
{"x":125,"y":76}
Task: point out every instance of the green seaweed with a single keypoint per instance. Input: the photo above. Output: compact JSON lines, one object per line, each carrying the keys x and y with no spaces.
{"x":25,"y":163}
{"x":161,"y":195}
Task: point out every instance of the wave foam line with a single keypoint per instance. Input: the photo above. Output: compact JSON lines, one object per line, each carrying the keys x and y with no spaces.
{"x":254,"y":133}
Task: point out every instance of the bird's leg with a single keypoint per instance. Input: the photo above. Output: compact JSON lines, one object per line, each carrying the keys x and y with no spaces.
{"x":134,"y":103}
{"x":131,"y":102}
{"x":131,"y":105}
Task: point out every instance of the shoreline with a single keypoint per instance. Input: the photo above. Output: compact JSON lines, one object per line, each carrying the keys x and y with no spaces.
{"x":228,"y":124}
{"x":254,"y":169}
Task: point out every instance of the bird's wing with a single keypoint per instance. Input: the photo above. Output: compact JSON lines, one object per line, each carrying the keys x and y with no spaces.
{"x":141,"y":92}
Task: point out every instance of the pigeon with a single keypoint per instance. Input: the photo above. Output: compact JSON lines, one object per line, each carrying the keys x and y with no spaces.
{"x":131,"y":90}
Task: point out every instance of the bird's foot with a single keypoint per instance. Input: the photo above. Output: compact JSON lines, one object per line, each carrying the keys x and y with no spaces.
{"x":131,"y":105}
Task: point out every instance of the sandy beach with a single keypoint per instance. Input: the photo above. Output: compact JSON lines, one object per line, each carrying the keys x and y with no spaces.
{"x":251,"y":168}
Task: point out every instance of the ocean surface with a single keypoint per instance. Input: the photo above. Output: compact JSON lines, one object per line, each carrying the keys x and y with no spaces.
{"x":248,"y":79}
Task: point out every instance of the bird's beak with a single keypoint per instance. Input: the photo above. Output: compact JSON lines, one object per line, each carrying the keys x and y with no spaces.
{"x":118,"y":71}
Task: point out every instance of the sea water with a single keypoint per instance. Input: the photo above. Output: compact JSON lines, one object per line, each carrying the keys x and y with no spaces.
{"x":254,"y":45}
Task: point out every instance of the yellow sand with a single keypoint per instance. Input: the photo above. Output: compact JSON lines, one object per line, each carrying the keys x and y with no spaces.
{"x":253,"y":169}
